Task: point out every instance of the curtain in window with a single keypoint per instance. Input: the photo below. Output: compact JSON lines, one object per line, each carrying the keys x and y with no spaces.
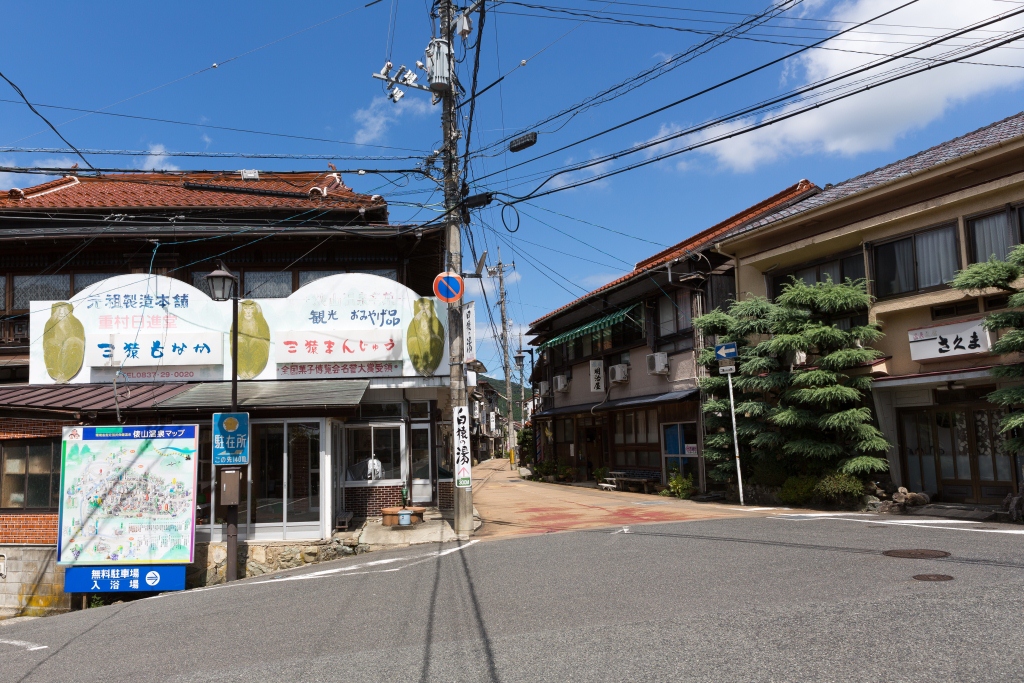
{"x":40,"y":288}
{"x":894,"y":267}
{"x":992,"y":237}
{"x":829,"y":270}
{"x":936,"y":257}
{"x":666,"y":316}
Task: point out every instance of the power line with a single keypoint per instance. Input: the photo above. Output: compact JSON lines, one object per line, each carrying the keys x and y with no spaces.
{"x":45,"y":120}
{"x":199,"y":155}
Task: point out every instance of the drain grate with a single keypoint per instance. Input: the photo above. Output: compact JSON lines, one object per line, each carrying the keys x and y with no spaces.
{"x":916,"y":554}
{"x":933,"y":577}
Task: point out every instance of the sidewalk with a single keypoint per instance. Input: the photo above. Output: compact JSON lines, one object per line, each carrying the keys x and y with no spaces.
{"x":509,"y":506}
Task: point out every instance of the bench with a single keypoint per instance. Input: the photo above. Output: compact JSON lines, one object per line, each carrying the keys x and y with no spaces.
{"x":343,"y":521}
{"x":607,"y":485}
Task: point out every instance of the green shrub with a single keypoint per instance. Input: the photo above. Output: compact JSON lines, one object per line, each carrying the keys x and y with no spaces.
{"x":839,"y":488}
{"x":566,"y":473}
{"x":600,"y":473}
{"x":798,"y":490}
{"x":768,"y":471}
{"x":680,"y":486}
{"x":545,"y":468}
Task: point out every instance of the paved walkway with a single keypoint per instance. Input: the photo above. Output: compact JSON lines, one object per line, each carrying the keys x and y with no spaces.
{"x":509,"y":505}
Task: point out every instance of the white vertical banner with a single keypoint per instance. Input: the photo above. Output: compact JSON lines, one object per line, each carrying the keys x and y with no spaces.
{"x":469,"y":331}
{"x":493,"y":422}
{"x":463,"y":461}
{"x":597,"y":376}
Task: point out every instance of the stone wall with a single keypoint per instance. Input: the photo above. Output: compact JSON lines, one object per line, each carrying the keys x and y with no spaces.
{"x":256,"y":558}
{"x":34,"y":586}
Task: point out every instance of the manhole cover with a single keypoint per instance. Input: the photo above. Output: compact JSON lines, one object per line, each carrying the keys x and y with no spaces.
{"x":916,"y":554}
{"x":933,"y":577}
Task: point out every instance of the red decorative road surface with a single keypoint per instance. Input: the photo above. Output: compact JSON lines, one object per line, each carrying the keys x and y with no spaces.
{"x":508,"y":505}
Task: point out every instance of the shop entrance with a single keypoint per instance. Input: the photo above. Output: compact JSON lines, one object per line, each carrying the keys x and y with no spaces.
{"x":956,"y":453}
{"x":590,"y":454}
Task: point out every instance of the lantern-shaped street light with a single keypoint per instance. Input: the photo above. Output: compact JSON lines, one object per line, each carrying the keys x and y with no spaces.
{"x":223,"y":286}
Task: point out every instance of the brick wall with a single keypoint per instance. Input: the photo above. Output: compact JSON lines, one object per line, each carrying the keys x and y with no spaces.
{"x":29,"y":528}
{"x":366,"y":501}
{"x":446,"y":495}
{"x":17,"y":428}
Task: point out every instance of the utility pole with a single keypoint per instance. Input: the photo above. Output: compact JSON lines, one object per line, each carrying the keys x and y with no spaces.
{"x":522,"y":395}
{"x":505,"y":359}
{"x":452,"y":198}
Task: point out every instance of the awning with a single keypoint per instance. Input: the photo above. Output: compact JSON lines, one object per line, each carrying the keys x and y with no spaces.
{"x":593,"y":326}
{"x":620,"y":403}
{"x":290,"y":393}
{"x":85,"y":398}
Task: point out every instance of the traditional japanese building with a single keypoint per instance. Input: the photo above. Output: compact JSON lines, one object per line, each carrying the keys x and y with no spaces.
{"x":106,"y":318}
{"x":616,"y":377}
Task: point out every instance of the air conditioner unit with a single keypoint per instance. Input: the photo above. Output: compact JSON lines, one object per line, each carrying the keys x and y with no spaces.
{"x":561,"y":384}
{"x":543,"y":386}
{"x":619,"y":374}
{"x":657,"y":364}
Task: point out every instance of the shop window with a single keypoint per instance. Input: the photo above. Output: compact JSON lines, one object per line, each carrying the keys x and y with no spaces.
{"x":636,"y":435}
{"x":29,"y":288}
{"x":200,"y":282}
{"x":267,"y":284}
{"x":3,"y":292}
{"x":307,"y":276}
{"x":992,"y":236}
{"x":922,"y":261}
{"x":31,"y":474}
{"x":419,"y":410}
{"x":303,"y":472}
{"x":954,"y":310}
{"x":83,"y":280}
{"x":389,"y":273}
{"x":374,"y":453}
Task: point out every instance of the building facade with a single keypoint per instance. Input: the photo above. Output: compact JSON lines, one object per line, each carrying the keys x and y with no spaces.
{"x":107,"y":319}
{"x":616,"y":376}
{"x":907,"y":228}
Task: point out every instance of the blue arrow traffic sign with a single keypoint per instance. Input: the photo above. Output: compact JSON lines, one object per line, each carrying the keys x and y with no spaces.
{"x":727,"y":350}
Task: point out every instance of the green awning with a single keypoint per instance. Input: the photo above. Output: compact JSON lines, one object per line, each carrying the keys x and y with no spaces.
{"x":593,"y":326}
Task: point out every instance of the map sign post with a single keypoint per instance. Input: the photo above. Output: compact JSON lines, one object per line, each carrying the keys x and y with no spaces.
{"x":127,"y":499}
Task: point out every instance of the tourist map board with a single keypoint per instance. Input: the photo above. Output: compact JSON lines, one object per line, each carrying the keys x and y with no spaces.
{"x":128,"y":495}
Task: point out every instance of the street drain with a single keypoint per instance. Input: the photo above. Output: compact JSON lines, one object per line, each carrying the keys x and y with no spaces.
{"x":933,"y":577}
{"x":916,"y":554}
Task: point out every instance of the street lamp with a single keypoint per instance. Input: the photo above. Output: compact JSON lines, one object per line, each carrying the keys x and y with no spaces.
{"x":223,"y":286}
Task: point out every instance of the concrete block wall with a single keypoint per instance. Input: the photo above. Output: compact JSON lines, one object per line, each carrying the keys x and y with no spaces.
{"x":34,"y":586}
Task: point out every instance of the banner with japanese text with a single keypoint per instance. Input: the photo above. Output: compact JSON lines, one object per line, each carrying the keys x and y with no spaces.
{"x":151,"y":328}
{"x":128,"y":495}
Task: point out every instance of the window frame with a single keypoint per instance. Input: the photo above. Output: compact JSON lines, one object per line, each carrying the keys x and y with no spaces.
{"x":1012,"y":211}
{"x":55,"y":469}
{"x":816,"y":264}
{"x":635,"y":447}
{"x":912,"y":235}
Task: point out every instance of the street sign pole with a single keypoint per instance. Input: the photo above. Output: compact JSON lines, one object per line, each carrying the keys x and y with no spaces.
{"x":735,"y":438}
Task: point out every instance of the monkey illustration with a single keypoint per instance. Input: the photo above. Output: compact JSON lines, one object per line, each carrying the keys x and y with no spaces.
{"x":425,"y":338}
{"x":63,"y":343}
{"x":253,"y":340}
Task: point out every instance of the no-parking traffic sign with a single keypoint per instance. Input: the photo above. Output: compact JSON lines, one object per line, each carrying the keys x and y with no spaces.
{"x":449,"y":287}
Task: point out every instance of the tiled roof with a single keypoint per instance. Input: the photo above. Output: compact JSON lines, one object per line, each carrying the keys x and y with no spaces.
{"x":186,"y":190}
{"x":791,"y":194}
{"x":972,"y":143}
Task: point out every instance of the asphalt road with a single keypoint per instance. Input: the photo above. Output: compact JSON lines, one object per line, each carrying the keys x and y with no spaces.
{"x":787,"y":598}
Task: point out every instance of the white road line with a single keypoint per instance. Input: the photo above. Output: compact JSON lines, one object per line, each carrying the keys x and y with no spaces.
{"x":747,"y":509}
{"x":918,"y":524}
{"x":24,"y":644}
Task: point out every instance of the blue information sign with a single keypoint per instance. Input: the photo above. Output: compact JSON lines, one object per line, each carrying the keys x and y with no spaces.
{"x":231,"y":438}
{"x":124,"y":579}
{"x":727,"y":350}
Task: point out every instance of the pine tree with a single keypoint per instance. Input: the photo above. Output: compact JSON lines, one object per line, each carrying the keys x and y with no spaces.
{"x":800,"y":408}
{"x":1002,"y":275}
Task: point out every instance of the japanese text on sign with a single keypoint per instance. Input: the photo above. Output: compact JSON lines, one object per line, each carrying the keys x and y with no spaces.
{"x":463,"y":459}
{"x":944,"y":341}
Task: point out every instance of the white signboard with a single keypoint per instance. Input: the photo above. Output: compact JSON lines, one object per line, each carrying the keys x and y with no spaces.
{"x":463,"y":460}
{"x":945,"y":341}
{"x":469,"y":331}
{"x":154,"y":328}
{"x":597,"y":376}
{"x":492,"y":421}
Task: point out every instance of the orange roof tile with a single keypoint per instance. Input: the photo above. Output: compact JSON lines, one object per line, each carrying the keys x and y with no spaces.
{"x":188,"y":190}
{"x":698,"y":241}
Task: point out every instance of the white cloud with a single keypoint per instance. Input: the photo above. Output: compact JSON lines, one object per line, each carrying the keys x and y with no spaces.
{"x":876,"y":119}
{"x":9,"y":180}
{"x":596,"y":280}
{"x":157,"y":160}
{"x":375,"y":119}
{"x":206,"y":139}
{"x":582,"y":174}
{"x":475,"y":286}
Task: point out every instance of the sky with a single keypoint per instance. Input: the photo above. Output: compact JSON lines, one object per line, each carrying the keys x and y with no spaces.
{"x":306,"y":73}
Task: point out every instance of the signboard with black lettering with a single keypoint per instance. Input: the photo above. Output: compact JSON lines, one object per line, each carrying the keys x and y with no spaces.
{"x":938,"y":342}
{"x":463,"y":459}
{"x":597,"y":376}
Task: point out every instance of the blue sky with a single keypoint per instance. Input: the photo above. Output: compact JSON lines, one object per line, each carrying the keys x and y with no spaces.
{"x":143,"y":58}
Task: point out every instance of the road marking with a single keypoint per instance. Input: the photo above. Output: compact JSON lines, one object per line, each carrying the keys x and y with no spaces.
{"x":623,"y":530}
{"x":948,"y":524}
{"x":24,"y":644}
{"x":748,"y":509}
